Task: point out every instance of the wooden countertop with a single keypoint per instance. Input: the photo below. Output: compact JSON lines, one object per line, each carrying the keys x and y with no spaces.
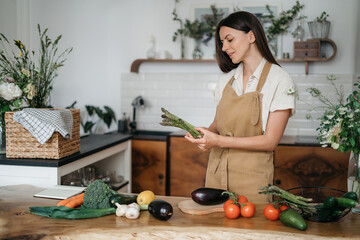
{"x":15,"y":223}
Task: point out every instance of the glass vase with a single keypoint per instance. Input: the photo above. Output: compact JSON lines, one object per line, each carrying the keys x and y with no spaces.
{"x":354,"y":178}
{"x":197,"y":53}
{"x":273,"y":45}
{"x":299,"y":32}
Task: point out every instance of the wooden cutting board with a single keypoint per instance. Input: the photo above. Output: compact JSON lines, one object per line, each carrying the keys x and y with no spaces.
{"x":191,"y":207}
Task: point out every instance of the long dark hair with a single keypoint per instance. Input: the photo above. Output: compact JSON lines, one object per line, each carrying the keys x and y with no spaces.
{"x":243,"y":21}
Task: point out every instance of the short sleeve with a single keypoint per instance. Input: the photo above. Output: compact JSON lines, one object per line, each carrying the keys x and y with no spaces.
{"x":223,"y":80}
{"x":284,"y":95}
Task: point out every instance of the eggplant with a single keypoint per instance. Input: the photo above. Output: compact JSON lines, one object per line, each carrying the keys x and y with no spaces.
{"x":209,"y":196}
{"x":160,"y":209}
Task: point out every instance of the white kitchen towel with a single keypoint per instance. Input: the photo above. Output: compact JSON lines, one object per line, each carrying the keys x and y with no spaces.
{"x":42,"y":123}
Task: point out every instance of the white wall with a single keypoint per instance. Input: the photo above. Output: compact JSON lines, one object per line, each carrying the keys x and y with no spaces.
{"x":108,"y":35}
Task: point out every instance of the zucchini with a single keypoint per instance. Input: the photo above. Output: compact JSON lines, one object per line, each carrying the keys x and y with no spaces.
{"x":292,"y":218}
{"x":121,"y":199}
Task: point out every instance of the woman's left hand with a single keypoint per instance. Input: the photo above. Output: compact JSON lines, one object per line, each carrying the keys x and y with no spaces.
{"x":207,"y":141}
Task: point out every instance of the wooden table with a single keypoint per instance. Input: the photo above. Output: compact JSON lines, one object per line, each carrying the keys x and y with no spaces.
{"x":15,"y":223}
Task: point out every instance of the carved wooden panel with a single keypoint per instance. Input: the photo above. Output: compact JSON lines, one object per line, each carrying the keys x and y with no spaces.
{"x":187,"y":167}
{"x":298,"y":166}
{"x":149,"y":166}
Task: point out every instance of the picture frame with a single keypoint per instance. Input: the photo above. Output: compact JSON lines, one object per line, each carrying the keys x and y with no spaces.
{"x":260,"y":11}
{"x":199,"y":11}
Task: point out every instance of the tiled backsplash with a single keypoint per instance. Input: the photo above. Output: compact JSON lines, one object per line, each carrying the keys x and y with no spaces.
{"x":190,"y":96}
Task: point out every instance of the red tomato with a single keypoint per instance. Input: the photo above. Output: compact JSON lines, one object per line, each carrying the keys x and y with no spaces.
{"x":232,"y":211}
{"x":228,"y":202}
{"x":271,"y":212}
{"x":242,"y":199}
{"x":283,"y":207}
{"x":248,"y":210}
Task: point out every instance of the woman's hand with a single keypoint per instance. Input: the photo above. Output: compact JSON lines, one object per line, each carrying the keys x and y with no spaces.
{"x":207,"y":141}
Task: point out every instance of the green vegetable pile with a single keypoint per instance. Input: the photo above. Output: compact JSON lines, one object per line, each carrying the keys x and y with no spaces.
{"x":169,"y":119}
{"x":96,"y":204}
{"x":97,"y":195}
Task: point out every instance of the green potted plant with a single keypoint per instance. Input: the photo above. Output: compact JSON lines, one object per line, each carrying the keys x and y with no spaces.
{"x":95,"y":115}
{"x":319,"y":28}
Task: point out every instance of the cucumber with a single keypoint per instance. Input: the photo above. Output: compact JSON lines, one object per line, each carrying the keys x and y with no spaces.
{"x":343,"y":203}
{"x":121,"y":199}
{"x":292,"y":218}
{"x":350,"y":195}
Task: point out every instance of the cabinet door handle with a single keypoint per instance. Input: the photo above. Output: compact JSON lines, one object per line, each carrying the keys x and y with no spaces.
{"x":161,"y":176}
{"x":277,"y":181}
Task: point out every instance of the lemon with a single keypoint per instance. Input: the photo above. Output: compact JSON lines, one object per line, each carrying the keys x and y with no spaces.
{"x":145,"y":197}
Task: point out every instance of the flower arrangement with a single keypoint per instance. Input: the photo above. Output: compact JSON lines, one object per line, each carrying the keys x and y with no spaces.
{"x":340,"y":124}
{"x":26,"y":78}
{"x":23,"y":83}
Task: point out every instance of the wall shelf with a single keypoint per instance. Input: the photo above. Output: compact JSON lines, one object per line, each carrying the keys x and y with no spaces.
{"x":136,"y":64}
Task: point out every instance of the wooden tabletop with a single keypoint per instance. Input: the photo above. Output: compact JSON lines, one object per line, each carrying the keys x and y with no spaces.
{"x":15,"y":223}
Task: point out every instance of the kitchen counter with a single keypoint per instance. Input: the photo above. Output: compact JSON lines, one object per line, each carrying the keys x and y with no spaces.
{"x":88,"y":145}
{"x":16,"y":223}
{"x":309,"y":141}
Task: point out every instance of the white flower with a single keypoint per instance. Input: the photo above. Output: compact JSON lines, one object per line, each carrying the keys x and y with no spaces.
{"x":335,"y":145}
{"x":350,"y":115}
{"x":357,"y":110}
{"x":326,"y":122}
{"x":291,"y":91}
{"x":342,"y":110}
{"x":330,"y":116}
{"x":9,"y":91}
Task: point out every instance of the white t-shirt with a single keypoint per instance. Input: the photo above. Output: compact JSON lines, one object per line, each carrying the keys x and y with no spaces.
{"x":278,"y":90}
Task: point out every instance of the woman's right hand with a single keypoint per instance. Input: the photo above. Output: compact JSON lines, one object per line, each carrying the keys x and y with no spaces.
{"x":207,"y":141}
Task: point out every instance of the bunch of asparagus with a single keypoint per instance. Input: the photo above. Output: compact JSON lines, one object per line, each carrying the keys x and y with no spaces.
{"x":169,"y":119}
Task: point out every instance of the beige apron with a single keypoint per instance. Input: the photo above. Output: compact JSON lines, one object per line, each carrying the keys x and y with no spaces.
{"x":240,"y":171}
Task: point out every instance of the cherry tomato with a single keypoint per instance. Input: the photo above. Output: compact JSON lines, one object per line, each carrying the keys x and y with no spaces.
{"x":271,"y":212}
{"x":227,"y":203}
{"x":248,"y":210}
{"x":283,"y":207}
{"x":242,"y":199}
{"x":232,"y":211}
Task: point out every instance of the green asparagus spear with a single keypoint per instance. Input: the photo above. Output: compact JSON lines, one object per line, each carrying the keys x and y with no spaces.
{"x":169,"y":119}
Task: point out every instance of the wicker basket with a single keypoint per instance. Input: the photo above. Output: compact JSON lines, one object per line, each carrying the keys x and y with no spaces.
{"x":21,"y":144}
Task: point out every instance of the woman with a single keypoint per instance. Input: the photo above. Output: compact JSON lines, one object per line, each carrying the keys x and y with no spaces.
{"x":255,"y":100}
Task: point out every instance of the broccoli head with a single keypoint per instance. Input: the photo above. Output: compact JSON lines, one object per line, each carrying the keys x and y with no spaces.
{"x":97,"y":195}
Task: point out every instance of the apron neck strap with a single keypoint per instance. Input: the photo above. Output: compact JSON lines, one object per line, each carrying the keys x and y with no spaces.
{"x":263,"y":76}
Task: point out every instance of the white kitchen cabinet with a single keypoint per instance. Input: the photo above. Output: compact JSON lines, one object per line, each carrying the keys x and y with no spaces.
{"x":113,"y":152}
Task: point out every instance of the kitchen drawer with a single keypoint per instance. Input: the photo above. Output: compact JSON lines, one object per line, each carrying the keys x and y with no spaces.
{"x":306,"y":54}
{"x":307,"y":45}
{"x":307,"y":49}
